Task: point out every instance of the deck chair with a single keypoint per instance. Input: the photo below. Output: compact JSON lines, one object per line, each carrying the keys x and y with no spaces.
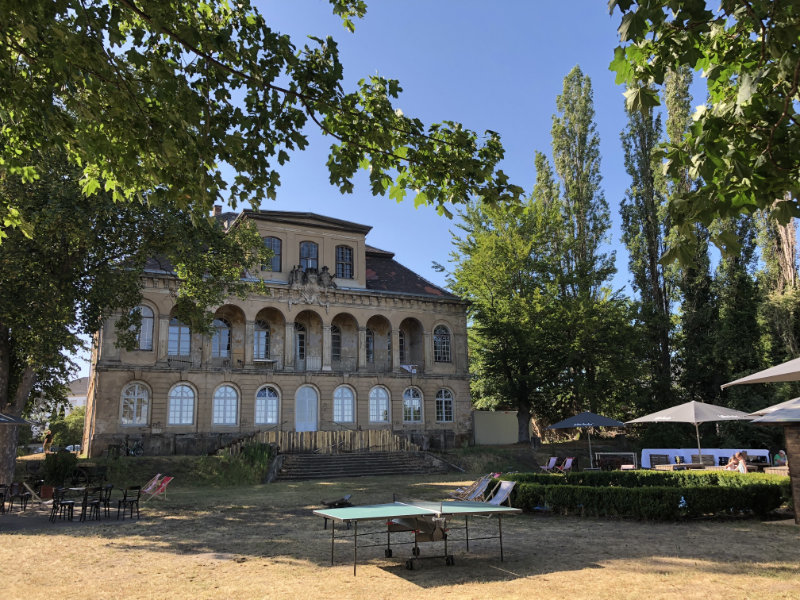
{"x":151,"y":485}
{"x":479,"y":493}
{"x":501,"y":493}
{"x":463,"y":493}
{"x":567,"y":464}
{"x":161,"y":490}
{"x":550,"y":465}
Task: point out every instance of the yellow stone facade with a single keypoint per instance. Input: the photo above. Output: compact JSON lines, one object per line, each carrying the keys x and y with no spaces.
{"x":376,"y":347}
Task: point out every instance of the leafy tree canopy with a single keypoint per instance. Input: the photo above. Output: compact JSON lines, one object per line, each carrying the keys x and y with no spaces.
{"x":156,"y":96}
{"x":744,"y":146}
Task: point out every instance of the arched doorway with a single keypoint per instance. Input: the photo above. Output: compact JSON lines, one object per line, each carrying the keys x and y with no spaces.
{"x":306,"y":401}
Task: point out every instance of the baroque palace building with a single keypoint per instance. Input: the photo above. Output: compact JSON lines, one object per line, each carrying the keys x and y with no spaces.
{"x":347,"y":339}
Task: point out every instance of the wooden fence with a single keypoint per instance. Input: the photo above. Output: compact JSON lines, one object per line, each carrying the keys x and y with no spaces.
{"x":329,"y":442}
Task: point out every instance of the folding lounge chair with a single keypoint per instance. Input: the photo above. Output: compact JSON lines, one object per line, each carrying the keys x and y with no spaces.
{"x":151,"y":485}
{"x":479,"y":493}
{"x":550,"y":465}
{"x":462,"y":492}
{"x":567,"y":466}
{"x":161,"y":490}
{"x":501,"y":493}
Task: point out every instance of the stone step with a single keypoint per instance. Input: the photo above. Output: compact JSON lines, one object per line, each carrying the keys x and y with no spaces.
{"x":317,"y":466}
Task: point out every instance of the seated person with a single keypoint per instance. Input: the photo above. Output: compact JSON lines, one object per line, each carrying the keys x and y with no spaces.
{"x":780,"y":459}
{"x":733,"y":463}
{"x":742,"y":465}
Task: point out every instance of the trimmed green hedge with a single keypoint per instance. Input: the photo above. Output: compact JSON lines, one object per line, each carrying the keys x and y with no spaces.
{"x":652,"y":495}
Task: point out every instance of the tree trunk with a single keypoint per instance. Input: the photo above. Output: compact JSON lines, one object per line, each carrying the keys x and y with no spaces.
{"x":8,"y":451}
{"x":523,"y":422}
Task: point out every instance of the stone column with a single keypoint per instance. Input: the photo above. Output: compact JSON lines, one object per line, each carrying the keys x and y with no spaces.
{"x":792,"y":433}
{"x":162,"y":344}
{"x":110,"y":351}
{"x":427,"y":350}
{"x":326,"y":348}
{"x":249,"y":334}
{"x":288,"y":347}
{"x":395,"y":359}
{"x":362,"y":348}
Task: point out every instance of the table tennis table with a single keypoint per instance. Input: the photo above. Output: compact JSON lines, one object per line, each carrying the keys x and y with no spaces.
{"x":428,"y":521}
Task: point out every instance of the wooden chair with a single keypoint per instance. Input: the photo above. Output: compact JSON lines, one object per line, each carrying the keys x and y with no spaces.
{"x":91,"y":503}
{"x":659,"y":459}
{"x":62,"y":508}
{"x":105,"y":498}
{"x":129,"y":500}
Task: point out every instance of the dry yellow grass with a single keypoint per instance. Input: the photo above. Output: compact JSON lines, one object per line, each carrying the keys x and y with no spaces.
{"x":263,"y":542}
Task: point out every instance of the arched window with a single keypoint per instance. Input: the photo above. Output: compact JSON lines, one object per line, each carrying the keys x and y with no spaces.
{"x":441,"y":344}
{"x":344,"y":262}
{"x":273,"y":244}
{"x":444,"y":406}
{"x":309,"y":253}
{"x":261,"y":335}
{"x":181,"y":405}
{"x":179,"y":343}
{"x":412,"y":406}
{"x":401,"y":342}
{"x":336,"y":343}
{"x":343,"y":400}
{"x":135,"y":404}
{"x":221,"y":339}
{"x":370,"y":346}
{"x":144,"y":336}
{"x":378,"y":405}
{"x":226,"y":401}
{"x":267,"y":400}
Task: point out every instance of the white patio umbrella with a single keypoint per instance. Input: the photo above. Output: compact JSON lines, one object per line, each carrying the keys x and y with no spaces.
{"x":785,"y":412}
{"x":693,"y":412}
{"x":788,"y":371}
{"x":585,"y":420}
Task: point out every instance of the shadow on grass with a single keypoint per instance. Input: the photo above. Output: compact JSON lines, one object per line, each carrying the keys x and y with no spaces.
{"x":275,"y":522}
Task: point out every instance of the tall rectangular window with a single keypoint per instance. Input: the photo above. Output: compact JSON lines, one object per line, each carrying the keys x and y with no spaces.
{"x":179,"y":343}
{"x":344,"y":262}
{"x":274,"y":244}
{"x":309,"y":253}
{"x":444,"y":406}
{"x":261,"y":341}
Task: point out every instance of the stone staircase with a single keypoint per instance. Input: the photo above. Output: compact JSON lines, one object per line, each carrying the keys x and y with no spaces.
{"x":357,"y":464}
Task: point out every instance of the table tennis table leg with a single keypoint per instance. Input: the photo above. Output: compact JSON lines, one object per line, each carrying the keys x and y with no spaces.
{"x":355,"y":549}
{"x":500,"y":530}
{"x":333,"y":532}
{"x":466,"y":527}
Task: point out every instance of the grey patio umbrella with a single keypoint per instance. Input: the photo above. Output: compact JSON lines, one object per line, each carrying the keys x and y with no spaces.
{"x":587,"y":419}
{"x":785,"y":412}
{"x":788,"y":371}
{"x":694,"y":412}
{"x":9,"y":420}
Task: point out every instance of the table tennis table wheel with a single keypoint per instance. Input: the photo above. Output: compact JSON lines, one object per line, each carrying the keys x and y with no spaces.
{"x":415,"y":551}
{"x":449,"y":560}
{"x":388,"y":553}
{"x":410,"y":564}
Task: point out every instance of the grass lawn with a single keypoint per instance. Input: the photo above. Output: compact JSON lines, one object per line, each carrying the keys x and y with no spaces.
{"x":263,"y":542}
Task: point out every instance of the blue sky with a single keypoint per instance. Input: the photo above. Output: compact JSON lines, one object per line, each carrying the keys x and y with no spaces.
{"x":496,"y":66}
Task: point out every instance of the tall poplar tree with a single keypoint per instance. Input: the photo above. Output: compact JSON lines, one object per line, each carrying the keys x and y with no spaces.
{"x":592,"y":316}
{"x":645,"y":227}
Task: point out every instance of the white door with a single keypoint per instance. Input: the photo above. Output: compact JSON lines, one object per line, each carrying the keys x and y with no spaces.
{"x":305,"y":409}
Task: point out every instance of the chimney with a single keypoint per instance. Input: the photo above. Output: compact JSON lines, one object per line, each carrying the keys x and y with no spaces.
{"x":217,"y":210}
